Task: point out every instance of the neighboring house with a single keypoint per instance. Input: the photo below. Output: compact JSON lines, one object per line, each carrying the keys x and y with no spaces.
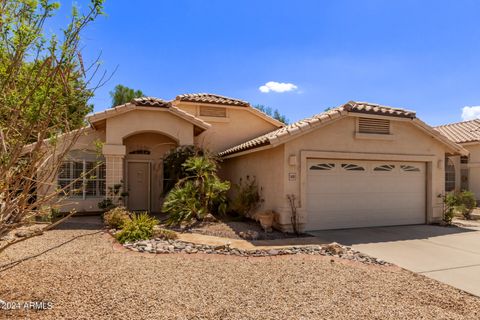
{"x":463,"y":173}
{"x":358,"y":165}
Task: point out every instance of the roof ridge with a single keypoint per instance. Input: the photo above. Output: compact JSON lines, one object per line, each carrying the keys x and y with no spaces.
{"x":211,"y":98}
{"x":150,"y":101}
{"x":208,"y":94}
{"x":380,"y":106}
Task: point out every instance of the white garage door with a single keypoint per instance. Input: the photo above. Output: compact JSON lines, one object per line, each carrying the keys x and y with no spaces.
{"x":354,"y":194}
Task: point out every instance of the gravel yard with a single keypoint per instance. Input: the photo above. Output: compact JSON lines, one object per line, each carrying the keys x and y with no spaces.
{"x":92,"y":277}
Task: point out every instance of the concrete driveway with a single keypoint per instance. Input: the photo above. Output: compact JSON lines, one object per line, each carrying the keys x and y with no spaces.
{"x":447,"y":254}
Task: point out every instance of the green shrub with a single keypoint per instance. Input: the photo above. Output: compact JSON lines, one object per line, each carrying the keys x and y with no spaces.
{"x":173,"y":169}
{"x":164,"y":234}
{"x":49,"y":214}
{"x":450,"y":202}
{"x":140,"y":227}
{"x":115,"y":197}
{"x":199,"y":193}
{"x":458,"y":202}
{"x":116,"y":217}
{"x":247,"y":198}
{"x":466,"y":203}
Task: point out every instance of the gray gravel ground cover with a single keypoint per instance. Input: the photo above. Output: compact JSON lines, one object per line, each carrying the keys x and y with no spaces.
{"x":92,"y":277}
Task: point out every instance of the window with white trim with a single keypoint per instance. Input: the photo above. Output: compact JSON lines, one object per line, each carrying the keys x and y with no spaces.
{"x":82,"y":178}
{"x":464,"y":179}
{"x":449,"y":175}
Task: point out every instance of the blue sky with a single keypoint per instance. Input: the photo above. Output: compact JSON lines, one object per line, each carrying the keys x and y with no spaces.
{"x":420,"y":55}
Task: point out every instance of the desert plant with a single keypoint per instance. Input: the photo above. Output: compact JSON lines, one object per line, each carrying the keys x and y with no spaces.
{"x":458,"y":202}
{"x":450,"y":202}
{"x":294,"y":218}
{"x":173,"y":169}
{"x":164,"y":234}
{"x":116,"y":218}
{"x":140,"y":227}
{"x":115,"y":197}
{"x":466,"y":203}
{"x":248,"y":197}
{"x":49,"y":214}
{"x":199,"y":193}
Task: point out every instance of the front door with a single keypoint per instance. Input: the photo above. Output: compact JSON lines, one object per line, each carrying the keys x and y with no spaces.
{"x":138,"y":186}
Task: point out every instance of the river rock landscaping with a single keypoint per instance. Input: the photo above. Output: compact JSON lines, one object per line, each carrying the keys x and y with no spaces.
{"x":160,"y":246}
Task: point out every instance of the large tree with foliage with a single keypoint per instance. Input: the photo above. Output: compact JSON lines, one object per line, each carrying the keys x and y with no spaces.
{"x":274,"y":113}
{"x":44,"y":92}
{"x":122,"y":94}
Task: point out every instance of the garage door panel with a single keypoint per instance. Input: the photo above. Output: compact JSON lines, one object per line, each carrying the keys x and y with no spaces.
{"x":339,"y":198}
{"x":366,"y":218}
{"x":357,"y":204}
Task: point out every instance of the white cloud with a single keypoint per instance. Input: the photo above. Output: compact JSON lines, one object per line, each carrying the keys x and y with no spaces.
{"x":277,"y":87}
{"x":470,"y":113}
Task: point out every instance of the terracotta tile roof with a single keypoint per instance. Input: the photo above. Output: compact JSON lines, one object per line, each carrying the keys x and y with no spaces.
{"x":211,"y":98}
{"x":461,"y":132}
{"x":293,"y":128}
{"x":319,"y":119}
{"x":372,"y":108}
{"x":150,"y":102}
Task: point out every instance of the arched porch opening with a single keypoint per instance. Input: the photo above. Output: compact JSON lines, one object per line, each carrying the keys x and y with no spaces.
{"x":143,"y":169}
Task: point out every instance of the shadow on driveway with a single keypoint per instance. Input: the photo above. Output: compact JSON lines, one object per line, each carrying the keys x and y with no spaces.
{"x":351,"y":237}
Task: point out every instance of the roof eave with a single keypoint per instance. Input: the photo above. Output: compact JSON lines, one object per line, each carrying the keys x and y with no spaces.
{"x":297,"y":132}
{"x":113,"y":112}
{"x":259,"y":147}
{"x":455,"y":147}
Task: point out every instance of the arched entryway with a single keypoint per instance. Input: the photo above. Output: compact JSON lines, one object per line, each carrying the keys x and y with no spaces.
{"x":144,"y":169}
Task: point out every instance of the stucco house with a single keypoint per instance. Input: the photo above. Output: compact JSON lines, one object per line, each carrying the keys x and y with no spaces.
{"x":356,"y":165}
{"x":463,"y":172}
{"x":136,"y":135}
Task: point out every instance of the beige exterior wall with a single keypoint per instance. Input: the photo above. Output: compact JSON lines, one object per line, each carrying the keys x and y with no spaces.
{"x":138,"y":121}
{"x":239,"y":126}
{"x":473,"y":168}
{"x":338,"y":139}
{"x":266,"y":167}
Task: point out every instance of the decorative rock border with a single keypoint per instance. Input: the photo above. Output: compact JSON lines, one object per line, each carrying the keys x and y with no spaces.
{"x":161,"y":246}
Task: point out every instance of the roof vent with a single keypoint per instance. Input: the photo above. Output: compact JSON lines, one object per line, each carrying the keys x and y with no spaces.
{"x":373,"y":126}
{"x":213,"y":112}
